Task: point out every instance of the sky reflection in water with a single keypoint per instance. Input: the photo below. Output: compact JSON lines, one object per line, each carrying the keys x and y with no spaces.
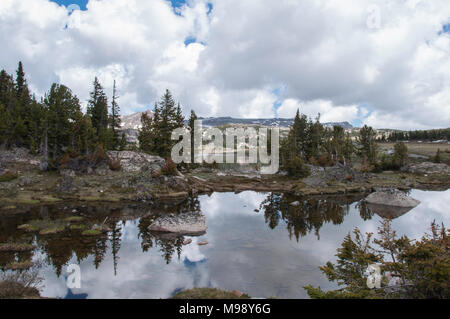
{"x":273,"y":252}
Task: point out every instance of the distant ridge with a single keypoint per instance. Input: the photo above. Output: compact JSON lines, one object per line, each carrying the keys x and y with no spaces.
{"x":277,"y":122}
{"x":133,"y":121}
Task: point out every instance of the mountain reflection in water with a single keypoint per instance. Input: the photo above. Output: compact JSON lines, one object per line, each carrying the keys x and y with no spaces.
{"x":258,"y":243}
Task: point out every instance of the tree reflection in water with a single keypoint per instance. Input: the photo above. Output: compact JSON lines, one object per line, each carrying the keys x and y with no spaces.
{"x":309,"y":216}
{"x":60,"y":248}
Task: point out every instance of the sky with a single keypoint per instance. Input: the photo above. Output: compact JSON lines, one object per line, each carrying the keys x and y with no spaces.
{"x":384,"y":63}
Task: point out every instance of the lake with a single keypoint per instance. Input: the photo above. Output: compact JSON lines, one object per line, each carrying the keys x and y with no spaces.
{"x":257,"y":243}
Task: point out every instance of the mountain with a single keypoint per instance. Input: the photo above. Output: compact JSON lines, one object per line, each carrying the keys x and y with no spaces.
{"x":278,"y":122}
{"x":133,"y":121}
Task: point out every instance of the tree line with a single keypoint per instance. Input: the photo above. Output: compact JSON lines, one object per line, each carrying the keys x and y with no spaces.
{"x":422,"y":135}
{"x":55,"y":125}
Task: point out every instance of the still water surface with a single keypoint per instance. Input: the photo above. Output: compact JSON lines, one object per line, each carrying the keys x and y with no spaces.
{"x":271,"y":252}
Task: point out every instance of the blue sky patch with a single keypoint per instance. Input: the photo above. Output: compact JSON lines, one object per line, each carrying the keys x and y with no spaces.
{"x":81,"y":3}
{"x":190,"y":40}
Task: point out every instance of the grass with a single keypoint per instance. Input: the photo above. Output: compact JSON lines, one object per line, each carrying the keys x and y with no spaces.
{"x":77,"y":227}
{"x":15,"y":247}
{"x":91,"y":232}
{"x":8,"y":177}
{"x":73,"y":219}
{"x":28,"y":228}
{"x":52,"y":230}
{"x":44,"y":226}
{"x":207,"y":293}
{"x":424,"y":149}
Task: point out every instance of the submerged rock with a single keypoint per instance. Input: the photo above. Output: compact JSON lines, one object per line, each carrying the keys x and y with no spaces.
{"x":392,"y":197}
{"x":390,"y":203}
{"x":186,"y":223}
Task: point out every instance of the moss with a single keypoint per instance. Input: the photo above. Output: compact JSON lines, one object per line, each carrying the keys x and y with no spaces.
{"x":20,"y":265}
{"x":9,"y":207}
{"x":77,"y":227}
{"x":26,"y":201}
{"x":15,"y":247}
{"x":50,"y":199}
{"x":8,"y":177}
{"x":74,"y":219}
{"x":91,"y":232}
{"x":28,"y":228}
{"x":100,"y":199}
{"x":52,"y":230}
{"x":207,"y":293}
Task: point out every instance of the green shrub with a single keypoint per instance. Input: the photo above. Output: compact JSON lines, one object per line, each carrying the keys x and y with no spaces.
{"x":8,"y":176}
{"x":422,"y":267}
{"x":297,"y":168}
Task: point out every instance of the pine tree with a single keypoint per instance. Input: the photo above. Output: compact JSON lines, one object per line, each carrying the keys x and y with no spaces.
{"x":98,"y":111}
{"x":115,"y":120}
{"x":191,"y":125}
{"x":155,"y":136}
{"x":4,"y":125}
{"x":63,"y":111}
{"x":21,"y":83}
{"x":123,"y":142}
{"x":368,"y":147}
{"x":146,"y":137}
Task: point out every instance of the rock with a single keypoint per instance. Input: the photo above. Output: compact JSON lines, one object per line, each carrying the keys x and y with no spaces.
{"x":428,"y":168}
{"x":295,"y":204}
{"x":102,"y":171}
{"x":137,"y":161}
{"x":391,"y":197}
{"x":66,"y":185}
{"x":390,"y":203}
{"x":24,"y":181}
{"x":187,"y":242}
{"x":203,"y":243}
{"x":237,"y":293}
{"x":43,"y":165}
{"x":67,"y":172}
{"x":185,"y":223}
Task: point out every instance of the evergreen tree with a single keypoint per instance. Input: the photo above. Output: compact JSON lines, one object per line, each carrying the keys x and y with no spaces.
{"x":123,"y":142}
{"x":400,"y":154}
{"x":5,"y":122}
{"x":98,"y":111}
{"x":368,"y":147}
{"x":21,"y":84}
{"x":155,"y":136}
{"x":115,"y":120}
{"x":146,"y":134}
{"x":63,"y":111}
{"x":193,"y":117}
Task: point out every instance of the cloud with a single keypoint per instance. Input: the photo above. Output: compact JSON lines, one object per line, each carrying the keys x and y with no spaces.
{"x":323,"y":53}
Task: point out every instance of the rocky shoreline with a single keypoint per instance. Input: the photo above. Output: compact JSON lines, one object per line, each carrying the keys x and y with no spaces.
{"x":140,"y":180}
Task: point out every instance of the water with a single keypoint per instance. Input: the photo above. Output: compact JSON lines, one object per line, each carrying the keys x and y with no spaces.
{"x":270,"y":253}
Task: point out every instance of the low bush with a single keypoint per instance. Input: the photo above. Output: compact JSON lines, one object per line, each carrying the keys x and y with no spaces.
{"x":297,"y":168}
{"x":169,"y":168}
{"x":115,"y":165}
{"x":8,"y":177}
